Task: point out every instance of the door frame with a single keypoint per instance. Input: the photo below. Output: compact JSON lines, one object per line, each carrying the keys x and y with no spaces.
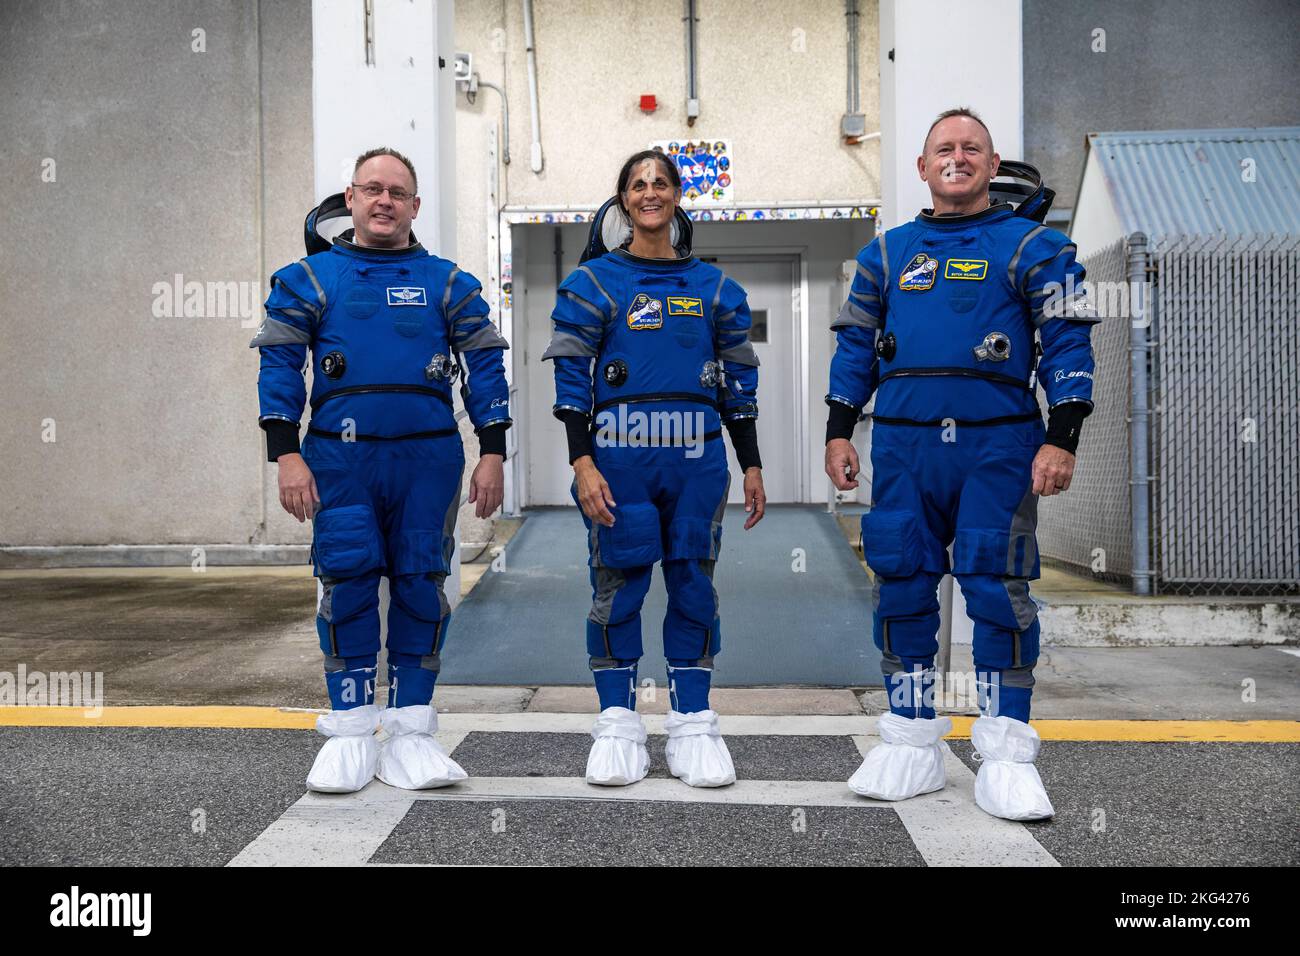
{"x":797,"y":257}
{"x":501,"y":295}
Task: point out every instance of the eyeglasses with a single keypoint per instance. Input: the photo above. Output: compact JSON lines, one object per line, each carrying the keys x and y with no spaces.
{"x":374,"y":191}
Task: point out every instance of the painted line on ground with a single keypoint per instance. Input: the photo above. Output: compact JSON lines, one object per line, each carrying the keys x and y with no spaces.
{"x":1159,"y":731}
{"x":324,"y":830}
{"x":348,"y":829}
{"x":949,"y":829}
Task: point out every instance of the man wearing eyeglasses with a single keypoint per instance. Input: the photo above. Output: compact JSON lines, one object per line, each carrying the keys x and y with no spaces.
{"x":388,"y":325}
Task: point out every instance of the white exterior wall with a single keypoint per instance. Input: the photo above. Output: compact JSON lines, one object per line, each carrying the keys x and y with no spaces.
{"x":770,"y":78}
{"x":947,"y":53}
{"x":1096,"y":223}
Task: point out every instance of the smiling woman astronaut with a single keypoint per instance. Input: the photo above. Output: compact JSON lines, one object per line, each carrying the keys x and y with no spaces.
{"x":652,"y":353}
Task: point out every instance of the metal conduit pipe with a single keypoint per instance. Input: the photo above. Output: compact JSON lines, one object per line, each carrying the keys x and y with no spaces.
{"x":536,"y":154}
{"x":692,"y":95}
{"x":853,"y":125}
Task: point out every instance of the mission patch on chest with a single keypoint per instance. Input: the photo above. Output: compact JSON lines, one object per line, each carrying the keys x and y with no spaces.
{"x":645,"y":313}
{"x":919,"y":274}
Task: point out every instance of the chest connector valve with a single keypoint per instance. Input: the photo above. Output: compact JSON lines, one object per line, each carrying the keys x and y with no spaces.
{"x":332,"y":365}
{"x":616,"y":373}
{"x":996,"y":347}
{"x":442,"y":368}
{"x":711,"y":375}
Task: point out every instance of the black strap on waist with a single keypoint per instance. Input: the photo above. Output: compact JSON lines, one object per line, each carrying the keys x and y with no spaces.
{"x":338,"y":436}
{"x":960,"y":372}
{"x":656,"y":397}
{"x":366,"y":389}
{"x":1003,"y":420}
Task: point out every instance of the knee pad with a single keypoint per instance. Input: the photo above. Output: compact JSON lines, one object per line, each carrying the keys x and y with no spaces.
{"x":421,"y":595}
{"x":614,"y":623}
{"x":420,"y":562}
{"x":998,"y":648}
{"x":911,"y":640}
{"x":347,"y":619}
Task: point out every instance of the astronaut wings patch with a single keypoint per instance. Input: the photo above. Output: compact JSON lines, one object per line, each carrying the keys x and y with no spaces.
{"x":405,"y":295}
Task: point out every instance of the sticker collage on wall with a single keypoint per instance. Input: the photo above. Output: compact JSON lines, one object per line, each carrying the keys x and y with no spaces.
{"x":705,"y":168}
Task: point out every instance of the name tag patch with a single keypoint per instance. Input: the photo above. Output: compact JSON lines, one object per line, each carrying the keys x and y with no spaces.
{"x":406,"y":295}
{"x":645,"y":313}
{"x":966,"y":269}
{"x":682,"y":305}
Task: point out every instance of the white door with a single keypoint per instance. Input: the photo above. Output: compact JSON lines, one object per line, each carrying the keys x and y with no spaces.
{"x":771,"y":283}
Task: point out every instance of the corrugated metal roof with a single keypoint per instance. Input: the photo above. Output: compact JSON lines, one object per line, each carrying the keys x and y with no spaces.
{"x":1190,"y":182}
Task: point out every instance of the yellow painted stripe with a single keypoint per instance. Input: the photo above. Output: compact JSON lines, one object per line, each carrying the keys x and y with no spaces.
{"x":1159,"y":731}
{"x":232,"y":717}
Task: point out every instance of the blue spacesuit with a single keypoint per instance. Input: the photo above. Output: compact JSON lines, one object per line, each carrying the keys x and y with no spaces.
{"x":667,"y":344}
{"x":387,"y":330}
{"x":940,"y":324}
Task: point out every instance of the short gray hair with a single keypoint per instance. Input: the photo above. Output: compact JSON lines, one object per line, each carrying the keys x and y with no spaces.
{"x":387,"y":151}
{"x":948,"y":114}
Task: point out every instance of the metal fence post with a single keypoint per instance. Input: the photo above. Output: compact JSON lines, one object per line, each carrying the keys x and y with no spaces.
{"x":1140,"y":321}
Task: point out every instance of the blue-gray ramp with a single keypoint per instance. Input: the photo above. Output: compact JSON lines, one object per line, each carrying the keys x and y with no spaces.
{"x":795,"y":607}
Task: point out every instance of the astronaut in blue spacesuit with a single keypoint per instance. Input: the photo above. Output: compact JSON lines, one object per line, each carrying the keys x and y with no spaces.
{"x":388,"y":325}
{"x":652,"y":356}
{"x":940,"y":325}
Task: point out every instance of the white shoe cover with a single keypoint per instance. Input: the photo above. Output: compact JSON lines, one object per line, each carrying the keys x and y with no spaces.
{"x":347,"y":761}
{"x":697,"y":754}
{"x":618,"y":756}
{"x":907,"y":762}
{"x":1008,"y":785}
{"x":410,"y":758}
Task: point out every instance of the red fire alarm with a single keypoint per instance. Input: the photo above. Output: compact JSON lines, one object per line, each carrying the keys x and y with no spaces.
{"x":648,"y":104}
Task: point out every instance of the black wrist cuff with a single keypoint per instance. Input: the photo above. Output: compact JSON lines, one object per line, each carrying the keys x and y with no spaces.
{"x":1064,"y":423}
{"x":492,"y":440}
{"x":281,"y":438}
{"x":744,"y":439}
{"x":577,"y":428}
{"x":841,"y":421}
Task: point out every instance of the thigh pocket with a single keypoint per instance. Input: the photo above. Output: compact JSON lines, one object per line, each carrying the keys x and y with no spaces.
{"x":891,"y":542}
{"x":694,"y":538}
{"x":989,"y":551}
{"x":416,"y":552}
{"x":345,"y":541}
{"x":634,"y":541}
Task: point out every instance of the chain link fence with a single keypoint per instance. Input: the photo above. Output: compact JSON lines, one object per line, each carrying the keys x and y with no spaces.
{"x":1223,"y":360}
{"x":1226,"y":441}
{"x":1089,"y":528}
